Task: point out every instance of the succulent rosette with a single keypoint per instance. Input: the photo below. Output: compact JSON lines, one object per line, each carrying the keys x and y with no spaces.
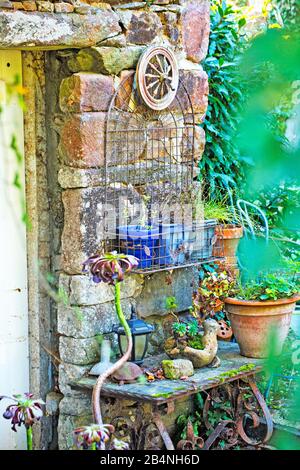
{"x":110,"y":267}
{"x":94,"y":434}
{"x":119,"y":445}
{"x":25,"y":410}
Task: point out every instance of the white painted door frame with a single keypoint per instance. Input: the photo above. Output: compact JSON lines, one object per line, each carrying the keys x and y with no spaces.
{"x":14,"y":361}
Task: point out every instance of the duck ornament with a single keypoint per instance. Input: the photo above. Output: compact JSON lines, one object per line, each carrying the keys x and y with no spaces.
{"x":206,"y":356}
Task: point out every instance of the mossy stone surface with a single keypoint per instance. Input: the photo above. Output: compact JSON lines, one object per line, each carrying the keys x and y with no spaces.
{"x":177,"y":368}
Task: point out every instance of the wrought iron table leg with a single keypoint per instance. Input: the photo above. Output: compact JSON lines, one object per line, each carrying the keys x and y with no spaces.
{"x":264,"y":407}
{"x":163,"y":432}
{"x":232,"y":430}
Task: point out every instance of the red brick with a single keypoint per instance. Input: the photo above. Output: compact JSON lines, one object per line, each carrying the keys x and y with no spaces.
{"x":82,"y":142}
{"x":83,"y":92}
{"x":195,"y":30}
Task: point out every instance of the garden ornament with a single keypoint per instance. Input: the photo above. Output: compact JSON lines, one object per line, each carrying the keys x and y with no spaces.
{"x":199,"y":357}
{"x":128,"y":373}
{"x":208,"y":355}
{"x":104,"y":363}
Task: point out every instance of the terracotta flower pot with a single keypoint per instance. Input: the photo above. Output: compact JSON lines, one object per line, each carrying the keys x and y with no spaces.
{"x":228,"y":237}
{"x":253,"y":321}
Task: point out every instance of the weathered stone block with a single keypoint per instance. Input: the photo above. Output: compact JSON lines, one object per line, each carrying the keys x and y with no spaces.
{"x":72,"y":178}
{"x":79,"y":351}
{"x":199,"y":143}
{"x":171,"y":27}
{"x":29,"y":5}
{"x":81,"y":290}
{"x":86,"y":92}
{"x":82,"y":142}
{"x":194,"y":141}
{"x":69,"y":373}
{"x":86,"y":322}
{"x":116,"y":41}
{"x":76,"y":406}
{"x":18,"y":6}
{"x":18,"y":29}
{"x":152,"y":300}
{"x":63,"y":7}
{"x":107,"y":60}
{"x":195,"y":29}
{"x":45,"y":6}
{"x":177,"y":368}
{"x":142,"y":26}
{"x":83,"y":226}
{"x":195,"y":82}
{"x":52,"y":403}
{"x":66,"y":426}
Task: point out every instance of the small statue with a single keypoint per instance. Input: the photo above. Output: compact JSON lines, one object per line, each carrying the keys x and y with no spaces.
{"x":104,"y":363}
{"x":206,"y":356}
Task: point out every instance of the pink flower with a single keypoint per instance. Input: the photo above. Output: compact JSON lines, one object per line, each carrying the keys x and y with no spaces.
{"x":110,"y":267}
{"x":25,"y":410}
{"x":85,"y":436}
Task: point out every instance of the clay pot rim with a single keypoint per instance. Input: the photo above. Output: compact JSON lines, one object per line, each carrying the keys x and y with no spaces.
{"x":262,"y":303}
{"x":230,"y":230}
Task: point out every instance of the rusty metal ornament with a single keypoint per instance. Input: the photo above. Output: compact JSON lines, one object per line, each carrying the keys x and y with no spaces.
{"x":192,"y":442}
{"x":157,"y":77}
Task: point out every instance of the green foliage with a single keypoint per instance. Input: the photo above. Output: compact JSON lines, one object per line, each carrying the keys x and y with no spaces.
{"x":268,"y":287}
{"x":214,"y":209}
{"x":171,"y":303}
{"x":179,"y":329}
{"x":213,"y":288}
{"x":281,"y":205}
{"x":193,"y":328}
{"x":233,"y":373}
{"x":289,"y":11}
{"x":221,"y":163}
{"x":196,"y":342}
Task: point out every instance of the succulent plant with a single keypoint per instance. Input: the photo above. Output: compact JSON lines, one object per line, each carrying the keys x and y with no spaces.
{"x":110,"y":267}
{"x":24,"y":410}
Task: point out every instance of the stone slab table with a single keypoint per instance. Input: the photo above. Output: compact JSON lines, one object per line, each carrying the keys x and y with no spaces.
{"x":231,"y":379}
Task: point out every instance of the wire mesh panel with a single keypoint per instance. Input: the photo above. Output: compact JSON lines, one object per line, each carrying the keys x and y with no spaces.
{"x":149,"y":171}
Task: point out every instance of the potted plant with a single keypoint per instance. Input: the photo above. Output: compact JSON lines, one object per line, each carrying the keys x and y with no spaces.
{"x":187,"y":339}
{"x":260,"y":314}
{"x":228,"y":231}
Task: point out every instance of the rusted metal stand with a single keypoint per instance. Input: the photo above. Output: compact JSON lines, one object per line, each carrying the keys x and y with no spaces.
{"x":243,"y":407}
{"x":245,"y":419}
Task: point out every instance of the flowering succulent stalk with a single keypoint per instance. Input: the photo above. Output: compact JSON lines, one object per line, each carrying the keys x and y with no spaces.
{"x":111,"y":269}
{"x":25,"y":410}
{"x":93,"y":436}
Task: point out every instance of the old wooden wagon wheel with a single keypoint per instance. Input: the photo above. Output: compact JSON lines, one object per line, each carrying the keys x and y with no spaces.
{"x":157,"y":77}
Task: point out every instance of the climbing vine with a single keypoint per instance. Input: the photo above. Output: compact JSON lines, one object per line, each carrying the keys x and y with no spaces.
{"x":222,"y":163}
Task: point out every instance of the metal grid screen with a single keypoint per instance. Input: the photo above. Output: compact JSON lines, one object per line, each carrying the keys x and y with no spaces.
{"x":149,"y":183}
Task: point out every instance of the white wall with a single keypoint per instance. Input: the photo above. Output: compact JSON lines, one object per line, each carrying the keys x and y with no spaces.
{"x":14,"y":365}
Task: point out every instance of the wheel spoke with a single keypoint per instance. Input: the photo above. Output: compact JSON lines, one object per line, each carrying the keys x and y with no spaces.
{"x":152,"y":84}
{"x":155,"y":92}
{"x":160,"y":64}
{"x":151,"y":75}
{"x":154,"y":68}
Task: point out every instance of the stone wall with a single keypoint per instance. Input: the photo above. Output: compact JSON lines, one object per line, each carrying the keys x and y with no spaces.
{"x":92,"y":76}
{"x":101,"y":44}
